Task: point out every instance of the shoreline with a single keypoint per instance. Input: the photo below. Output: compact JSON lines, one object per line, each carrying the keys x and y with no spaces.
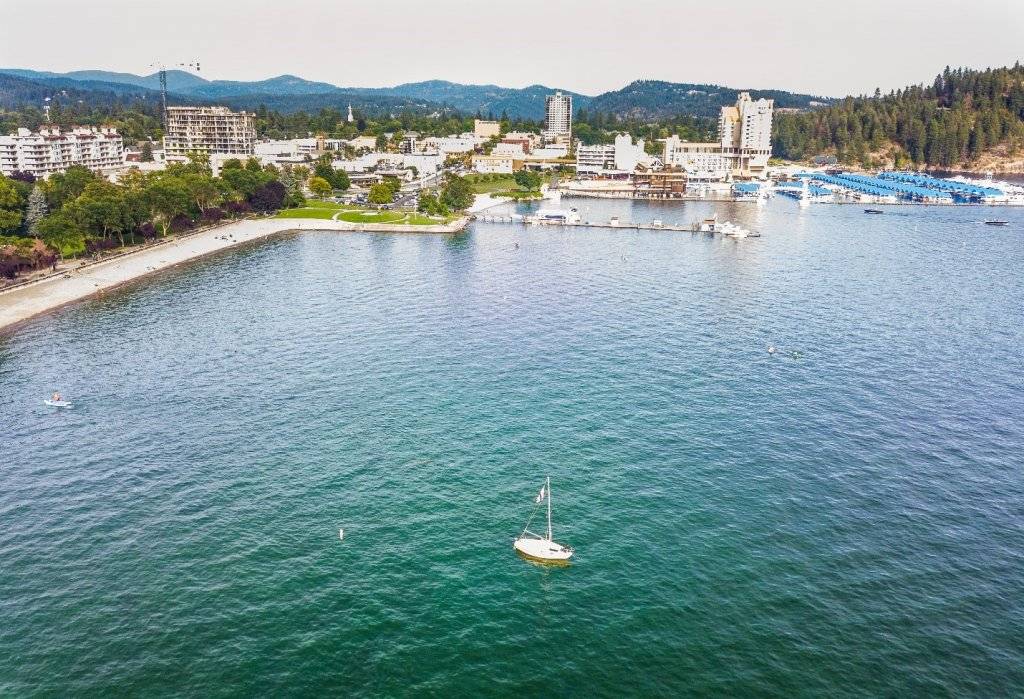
{"x":23,"y":303}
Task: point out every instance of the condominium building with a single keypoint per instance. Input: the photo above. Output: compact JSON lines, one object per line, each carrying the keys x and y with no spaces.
{"x":557,"y":116}
{"x":595,"y":159}
{"x":745,"y":134}
{"x":208,"y":130}
{"x":52,"y":150}
{"x":620,"y":157}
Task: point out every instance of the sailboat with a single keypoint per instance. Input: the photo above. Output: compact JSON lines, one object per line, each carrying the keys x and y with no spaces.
{"x":541,"y":548}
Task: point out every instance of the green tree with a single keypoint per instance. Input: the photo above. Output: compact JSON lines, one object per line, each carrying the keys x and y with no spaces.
{"x":62,"y":234}
{"x":146,"y":155}
{"x":35,"y":210}
{"x":320,"y":187}
{"x":381,"y":193}
{"x":457,"y":194}
{"x":165,"y":199}
{"x":528,"y":180}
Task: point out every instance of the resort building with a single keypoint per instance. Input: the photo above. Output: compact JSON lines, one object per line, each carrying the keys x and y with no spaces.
{"x":743,"y":148}
{"x":703,"y":161}
{"x":745,"y":135}
{"x":52,"y":150}
{"x":208,"y":130}
{"x":486,"y":129}
{"x":557,"y":116}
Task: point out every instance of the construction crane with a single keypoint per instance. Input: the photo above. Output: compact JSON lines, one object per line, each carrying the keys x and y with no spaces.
{"x":162,"y":68}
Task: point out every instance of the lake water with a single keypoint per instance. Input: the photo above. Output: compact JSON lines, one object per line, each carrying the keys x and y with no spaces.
{"x":845,"y":517}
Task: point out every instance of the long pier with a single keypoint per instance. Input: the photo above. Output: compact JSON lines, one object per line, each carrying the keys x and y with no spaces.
{"x":618,"y":225}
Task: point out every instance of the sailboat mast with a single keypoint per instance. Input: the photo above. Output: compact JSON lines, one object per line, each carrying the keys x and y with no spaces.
{"x":549,"y":507}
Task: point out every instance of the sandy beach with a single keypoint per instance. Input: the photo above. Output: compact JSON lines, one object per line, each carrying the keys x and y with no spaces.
{"x":24,"y":302}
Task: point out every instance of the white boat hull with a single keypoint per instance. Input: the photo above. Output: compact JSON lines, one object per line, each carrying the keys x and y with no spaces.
{"x":58,"y":403}
{"x":542,"y":549}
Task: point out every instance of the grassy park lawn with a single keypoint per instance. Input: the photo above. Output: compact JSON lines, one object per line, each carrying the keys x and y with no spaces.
{"x":371,"y":216}
{"x":354,"y":214}
{"x":307,"y":212}
{"x":486,"y":184}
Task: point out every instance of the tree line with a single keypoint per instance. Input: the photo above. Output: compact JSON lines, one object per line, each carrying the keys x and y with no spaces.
{"x":78,"y":212}
{"x":963,"y":115}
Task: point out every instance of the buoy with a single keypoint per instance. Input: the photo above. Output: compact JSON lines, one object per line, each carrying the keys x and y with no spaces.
{"x":341,"y":534}
{"x":771,"y":349}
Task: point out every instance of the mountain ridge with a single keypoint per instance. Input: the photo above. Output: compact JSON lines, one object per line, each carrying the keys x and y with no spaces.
{"x":640,"y":98}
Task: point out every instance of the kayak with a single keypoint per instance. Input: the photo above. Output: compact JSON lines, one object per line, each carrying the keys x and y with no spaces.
{"x":57,"y":403}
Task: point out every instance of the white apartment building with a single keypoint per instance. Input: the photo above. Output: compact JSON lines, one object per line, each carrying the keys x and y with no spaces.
{"x":557,"y":116}
{"x":208,"y":130}
{"x":51,"y":150}
{"x":745,"y":134}
{"x":620,"y":157}
{"x":595,"y":159}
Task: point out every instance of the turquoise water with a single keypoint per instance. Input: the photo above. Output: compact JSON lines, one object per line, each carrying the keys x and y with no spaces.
{"x":845,"y":517}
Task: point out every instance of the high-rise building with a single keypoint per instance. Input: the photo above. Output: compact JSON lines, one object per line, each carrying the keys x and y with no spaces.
{"x":51,"y":150}
{"x":557,"y":116}
{"x":745,"y":134}
{"x":208,"y":130}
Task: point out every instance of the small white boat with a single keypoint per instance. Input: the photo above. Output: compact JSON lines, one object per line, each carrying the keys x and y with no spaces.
{"x":535,"y":546}
{"x":57,"y":403}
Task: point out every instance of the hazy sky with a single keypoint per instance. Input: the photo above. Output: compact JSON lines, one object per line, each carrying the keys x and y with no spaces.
{"x":588,"y":46}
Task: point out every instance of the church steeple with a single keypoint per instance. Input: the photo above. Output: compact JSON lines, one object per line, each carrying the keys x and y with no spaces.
{"x":350,"y":117}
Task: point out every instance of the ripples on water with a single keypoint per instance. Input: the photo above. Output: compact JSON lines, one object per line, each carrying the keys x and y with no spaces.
{"x":842,"y":520}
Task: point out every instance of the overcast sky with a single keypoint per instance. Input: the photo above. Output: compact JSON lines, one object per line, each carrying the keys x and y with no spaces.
{"x":589,"y":46}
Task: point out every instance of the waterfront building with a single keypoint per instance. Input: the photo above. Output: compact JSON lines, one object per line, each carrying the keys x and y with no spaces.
{"x":208,"y":130}
{"x":486,"y":129}
{"x":619,"y":157}
{"x":557,"y":116}
{"x":51,"y":150}
{"x":745,"y":135}
{"x":743,"y":148}
{"x":701,"y":161}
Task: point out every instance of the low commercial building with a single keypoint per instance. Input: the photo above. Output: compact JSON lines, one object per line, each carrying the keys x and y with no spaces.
{"x":486,"y":129}
{"x":517,"y":149}
{"x":497,"y":164}
{"x":51,"y":150}
{"x":288,"y":149}
{"x":463,"y":143}
{"x":209,"y":130}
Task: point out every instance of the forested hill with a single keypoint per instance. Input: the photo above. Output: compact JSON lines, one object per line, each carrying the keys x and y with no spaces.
{"x":965,"y":119}
{"x":656,"y":99}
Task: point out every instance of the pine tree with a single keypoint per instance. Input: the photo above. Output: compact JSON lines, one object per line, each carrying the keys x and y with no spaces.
{"x":35,"y":210}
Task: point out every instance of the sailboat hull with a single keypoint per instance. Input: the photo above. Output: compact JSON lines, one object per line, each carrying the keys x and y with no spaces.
{"x":542,"y":549}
